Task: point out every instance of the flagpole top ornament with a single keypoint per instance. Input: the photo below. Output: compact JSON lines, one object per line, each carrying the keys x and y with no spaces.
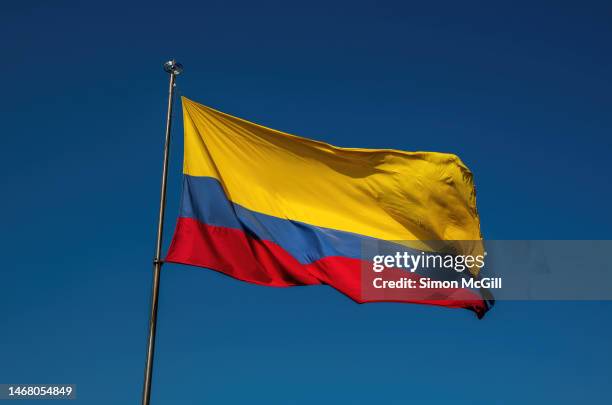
{"x":173,"y":67}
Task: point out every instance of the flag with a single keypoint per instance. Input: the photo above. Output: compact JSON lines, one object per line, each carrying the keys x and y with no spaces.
{"x":280,"y":210}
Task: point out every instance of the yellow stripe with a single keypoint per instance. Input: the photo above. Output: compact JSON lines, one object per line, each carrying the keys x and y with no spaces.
{"x":382,"y":193}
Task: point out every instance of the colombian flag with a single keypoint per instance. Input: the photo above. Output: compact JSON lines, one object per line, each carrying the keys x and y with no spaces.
{"x":279,"y":210}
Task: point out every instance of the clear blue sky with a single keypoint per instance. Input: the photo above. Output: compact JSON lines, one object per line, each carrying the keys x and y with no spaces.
{"x":520,"y":90}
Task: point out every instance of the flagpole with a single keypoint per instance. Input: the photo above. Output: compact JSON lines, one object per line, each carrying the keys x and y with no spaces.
{"x":174,"y":69}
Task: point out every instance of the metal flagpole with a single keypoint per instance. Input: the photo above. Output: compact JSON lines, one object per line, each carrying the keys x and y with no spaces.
{"x":174,"y":69}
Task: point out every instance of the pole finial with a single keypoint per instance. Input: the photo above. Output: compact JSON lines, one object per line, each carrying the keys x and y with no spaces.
{"x":173,"y":67}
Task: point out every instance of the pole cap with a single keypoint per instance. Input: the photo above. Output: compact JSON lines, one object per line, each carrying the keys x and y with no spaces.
{"x":173,"y":67}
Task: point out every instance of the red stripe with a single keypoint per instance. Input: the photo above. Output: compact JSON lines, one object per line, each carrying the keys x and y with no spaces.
{"x":234,"y":253}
